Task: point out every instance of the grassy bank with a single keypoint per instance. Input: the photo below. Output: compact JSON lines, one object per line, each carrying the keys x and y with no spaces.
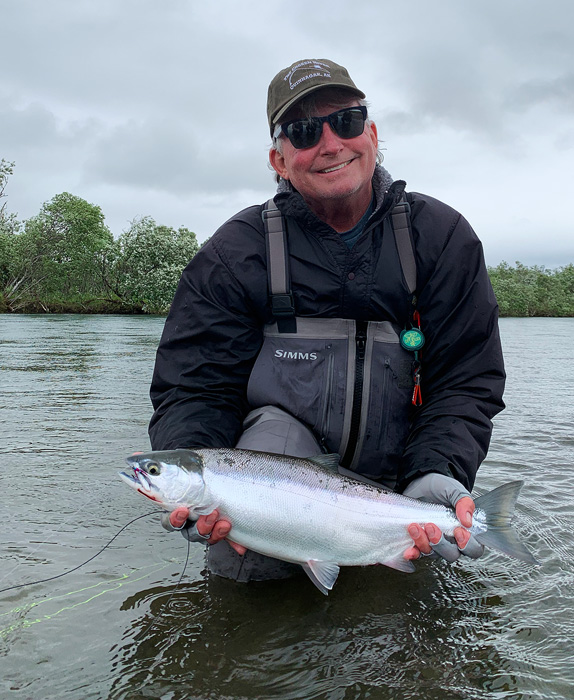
{"x":61,"y":306}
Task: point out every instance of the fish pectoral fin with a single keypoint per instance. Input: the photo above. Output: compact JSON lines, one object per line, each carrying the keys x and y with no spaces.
{"x":400,"y":563}
{"x":322,"y":573}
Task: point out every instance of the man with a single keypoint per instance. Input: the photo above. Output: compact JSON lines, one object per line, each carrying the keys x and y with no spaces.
{"x":291,"y":341}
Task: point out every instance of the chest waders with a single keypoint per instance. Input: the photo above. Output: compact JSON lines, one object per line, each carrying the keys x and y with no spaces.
{"x":350,"y":381}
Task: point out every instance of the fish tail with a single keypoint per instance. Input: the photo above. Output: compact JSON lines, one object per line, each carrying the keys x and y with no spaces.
{"x":498,"y":506}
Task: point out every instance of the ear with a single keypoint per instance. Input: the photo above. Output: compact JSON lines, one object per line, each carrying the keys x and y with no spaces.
{"x":277,"y":161}
{"x":374,"y":135}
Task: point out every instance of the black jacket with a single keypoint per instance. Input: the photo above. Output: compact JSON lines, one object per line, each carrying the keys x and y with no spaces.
{"x":214,"y":329}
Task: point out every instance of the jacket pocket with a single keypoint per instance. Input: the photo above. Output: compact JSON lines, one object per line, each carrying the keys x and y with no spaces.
{"x":306,"y":374}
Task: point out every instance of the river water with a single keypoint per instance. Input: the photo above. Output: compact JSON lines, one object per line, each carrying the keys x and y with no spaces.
{"x":74,"y":402}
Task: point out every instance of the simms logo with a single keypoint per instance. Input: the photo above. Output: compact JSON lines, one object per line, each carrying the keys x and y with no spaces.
{"x":289,"y":355}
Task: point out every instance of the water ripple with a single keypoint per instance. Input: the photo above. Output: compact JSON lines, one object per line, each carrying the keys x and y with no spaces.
{"x":75,"y":402}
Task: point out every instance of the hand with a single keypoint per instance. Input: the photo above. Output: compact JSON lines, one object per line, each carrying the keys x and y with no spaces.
{"x":209,"y":527}
{"x":437,"y":488}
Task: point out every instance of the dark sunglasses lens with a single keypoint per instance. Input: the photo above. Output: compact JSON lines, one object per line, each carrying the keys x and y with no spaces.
{"x":304,"y":133}
{"x":348,"y":123}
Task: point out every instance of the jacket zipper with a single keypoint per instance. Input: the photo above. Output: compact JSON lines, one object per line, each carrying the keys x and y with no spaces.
{"x":360,"y":346}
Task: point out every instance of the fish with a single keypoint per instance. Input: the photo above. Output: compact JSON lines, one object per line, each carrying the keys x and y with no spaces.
{"x":302,"y":510}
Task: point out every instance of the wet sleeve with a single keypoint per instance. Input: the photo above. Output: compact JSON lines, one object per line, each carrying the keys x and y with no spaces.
{"x":462,"y":371}
{"x":204,"y":358}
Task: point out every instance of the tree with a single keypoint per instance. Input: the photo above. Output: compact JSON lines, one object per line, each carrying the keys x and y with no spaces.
{"x":149,"y":259}
{"x":515,"y":289}
{"x":6,"y":169}
{"x":9,"y":227}
{"x":60,"y":252}
{"x":533,"y":291}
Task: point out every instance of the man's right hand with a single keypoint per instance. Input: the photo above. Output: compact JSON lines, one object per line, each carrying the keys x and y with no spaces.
{"x":208,"y":526}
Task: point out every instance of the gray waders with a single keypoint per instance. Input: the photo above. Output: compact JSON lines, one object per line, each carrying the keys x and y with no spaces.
{"x":324,"y":385}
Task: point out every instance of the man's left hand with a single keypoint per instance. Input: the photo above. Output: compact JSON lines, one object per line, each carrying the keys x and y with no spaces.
{"x":437,"y":488}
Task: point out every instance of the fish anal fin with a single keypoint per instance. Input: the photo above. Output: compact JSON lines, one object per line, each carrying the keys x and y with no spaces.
{"x":400,"y":563}
{"x":322,"y":573}
{"x":330,"y":461}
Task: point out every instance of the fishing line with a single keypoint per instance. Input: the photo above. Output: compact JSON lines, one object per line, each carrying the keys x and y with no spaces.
{"x":93,"y":497}
{"x":118,"y":582}
{"x":115,"y":584}
{"x":52,"y":578}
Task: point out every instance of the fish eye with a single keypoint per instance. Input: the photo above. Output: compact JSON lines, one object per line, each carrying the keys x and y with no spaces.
{"x":153,"y":469}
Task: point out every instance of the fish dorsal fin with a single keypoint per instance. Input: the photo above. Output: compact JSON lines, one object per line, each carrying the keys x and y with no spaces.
{"x":322,"y":573}
{"x":330,"y":462}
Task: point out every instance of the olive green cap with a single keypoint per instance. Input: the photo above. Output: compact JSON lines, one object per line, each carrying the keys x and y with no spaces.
{"x":301,"y":79}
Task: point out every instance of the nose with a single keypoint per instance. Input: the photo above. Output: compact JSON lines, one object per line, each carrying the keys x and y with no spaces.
{"x":329,"y":141}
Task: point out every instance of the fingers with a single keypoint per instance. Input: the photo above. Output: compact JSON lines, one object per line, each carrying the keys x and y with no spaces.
{"x":465,"y":510}
{"x":239,"y":548}
{"x":445,"y":549}
{"x":217,"y":530}
{"x":420,"y":539}
{"x":210,"y":526}
{"x":467,"y":544}
{"x":207,"y":528}
{"x":178,"y":517}
{"x":412,"y":553}
{"x":429,"y":539}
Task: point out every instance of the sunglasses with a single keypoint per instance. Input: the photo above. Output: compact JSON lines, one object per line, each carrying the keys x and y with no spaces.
{"x":304,"y":133}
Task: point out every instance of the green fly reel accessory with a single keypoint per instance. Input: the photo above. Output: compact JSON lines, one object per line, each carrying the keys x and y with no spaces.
{"x":412,"y":339}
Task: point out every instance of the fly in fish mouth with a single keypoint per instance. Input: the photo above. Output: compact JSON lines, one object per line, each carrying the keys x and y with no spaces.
{"x":142,"y":477}
{"x":138,"y":477}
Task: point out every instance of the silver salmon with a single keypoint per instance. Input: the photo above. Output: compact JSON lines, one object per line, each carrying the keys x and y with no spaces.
{"x":304,"y":511}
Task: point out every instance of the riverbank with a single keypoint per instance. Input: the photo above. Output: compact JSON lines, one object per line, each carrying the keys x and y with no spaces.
{"x":88,"y":306}
{"x":106,"y":307}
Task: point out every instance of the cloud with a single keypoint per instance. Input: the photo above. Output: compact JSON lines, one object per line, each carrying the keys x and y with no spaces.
{"x":171,"y":157}
{"x":148,"y":107}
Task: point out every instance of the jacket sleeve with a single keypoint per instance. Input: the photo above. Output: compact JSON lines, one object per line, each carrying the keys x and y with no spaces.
{"x":209,"y":343}
{"x":462,"y":366}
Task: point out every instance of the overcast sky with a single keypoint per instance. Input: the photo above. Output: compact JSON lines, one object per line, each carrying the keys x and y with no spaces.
{"x":157,"y":107}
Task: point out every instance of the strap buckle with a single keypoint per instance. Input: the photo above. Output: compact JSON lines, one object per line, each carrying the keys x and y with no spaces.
{"x":282,"y":305}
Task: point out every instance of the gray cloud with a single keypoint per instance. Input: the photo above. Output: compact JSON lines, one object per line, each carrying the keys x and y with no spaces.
{"x":148,"y":107}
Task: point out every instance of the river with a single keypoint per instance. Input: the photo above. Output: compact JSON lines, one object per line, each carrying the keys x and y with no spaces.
{"x":74,"y":402}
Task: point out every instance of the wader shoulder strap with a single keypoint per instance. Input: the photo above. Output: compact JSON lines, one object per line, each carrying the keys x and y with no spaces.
{"x":280,"y":296}
{"x":282,"y":305}
{"x":401,"y":221}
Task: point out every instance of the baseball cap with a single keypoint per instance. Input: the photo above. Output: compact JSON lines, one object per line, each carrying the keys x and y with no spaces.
{"x":301,"y":79}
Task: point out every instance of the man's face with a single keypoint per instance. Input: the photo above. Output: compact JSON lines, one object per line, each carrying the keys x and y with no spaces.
{"x":335,"y":168}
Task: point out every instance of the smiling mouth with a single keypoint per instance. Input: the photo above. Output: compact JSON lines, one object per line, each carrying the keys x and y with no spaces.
{"x":336,"y":167}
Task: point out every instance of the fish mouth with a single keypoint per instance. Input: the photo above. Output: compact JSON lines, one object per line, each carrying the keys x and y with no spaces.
{"x":137,"y":479}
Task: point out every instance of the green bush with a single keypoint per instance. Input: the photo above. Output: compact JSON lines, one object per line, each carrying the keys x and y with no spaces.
{"x":533,"y":291}
{"x":147,"y":261}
